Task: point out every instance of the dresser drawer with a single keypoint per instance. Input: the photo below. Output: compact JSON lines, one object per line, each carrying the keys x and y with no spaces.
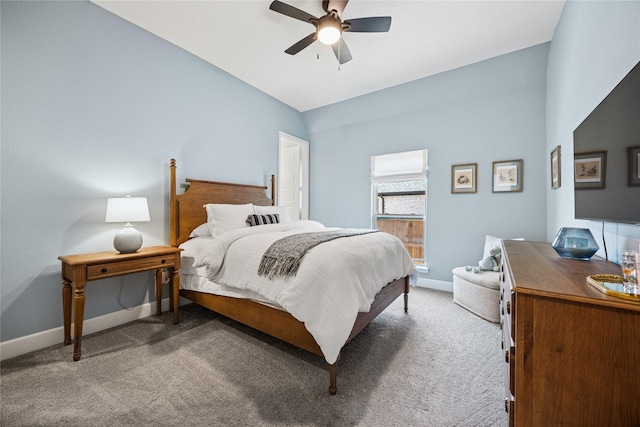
{"x":506,"y":316}
{"x":100,"y":271}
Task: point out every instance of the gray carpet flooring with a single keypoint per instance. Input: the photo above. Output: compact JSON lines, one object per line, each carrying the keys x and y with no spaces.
{"x":438,"y":365}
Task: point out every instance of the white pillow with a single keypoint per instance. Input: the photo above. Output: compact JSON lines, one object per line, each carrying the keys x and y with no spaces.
{"x":221,"y":218}
{"x":200,"y":231}
{"x":491,"y":242}
{"x":282,"y":211}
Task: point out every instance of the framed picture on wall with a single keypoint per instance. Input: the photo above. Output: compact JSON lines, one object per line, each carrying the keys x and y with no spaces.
{"x":590,"y":169}
{"x":507,"y":176}
{"x":555,"y":167}
{"x":634,"y":165}
{"x":463,"y":178}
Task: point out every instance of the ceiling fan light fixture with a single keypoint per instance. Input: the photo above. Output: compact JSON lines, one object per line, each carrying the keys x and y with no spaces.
{"x":329,"y":30}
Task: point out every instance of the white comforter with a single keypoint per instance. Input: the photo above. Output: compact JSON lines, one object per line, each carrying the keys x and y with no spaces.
{"x":335,"y":281}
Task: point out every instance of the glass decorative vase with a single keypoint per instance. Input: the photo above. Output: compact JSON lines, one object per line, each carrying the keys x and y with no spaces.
{"x":575,"y":243}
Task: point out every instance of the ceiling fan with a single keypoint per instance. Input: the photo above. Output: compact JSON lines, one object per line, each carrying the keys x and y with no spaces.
{"x":330,"y":27}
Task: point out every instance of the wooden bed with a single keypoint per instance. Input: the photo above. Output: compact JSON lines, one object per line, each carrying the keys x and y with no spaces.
{"x":186,"y":213}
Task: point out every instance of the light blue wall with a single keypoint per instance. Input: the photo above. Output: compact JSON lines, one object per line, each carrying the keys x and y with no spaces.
{"x":490,"y":111}
{"x":595,"y":45}
{"x":93,"y":107}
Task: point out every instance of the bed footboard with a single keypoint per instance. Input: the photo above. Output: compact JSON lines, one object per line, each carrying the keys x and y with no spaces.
{"x":282,"y":325}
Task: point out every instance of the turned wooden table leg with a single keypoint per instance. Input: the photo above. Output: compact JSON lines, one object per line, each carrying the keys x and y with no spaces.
{"x":175,"y":294}
{"x":171,"y":290}
{"x":158,"y":292}
{"x":66,"y":309}
{"x":78,"y":318}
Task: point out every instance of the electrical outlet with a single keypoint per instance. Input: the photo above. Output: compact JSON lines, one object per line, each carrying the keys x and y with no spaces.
{"x":165,"y":276}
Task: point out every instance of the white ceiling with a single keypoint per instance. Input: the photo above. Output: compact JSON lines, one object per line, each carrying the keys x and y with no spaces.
{"x":247,"y":40}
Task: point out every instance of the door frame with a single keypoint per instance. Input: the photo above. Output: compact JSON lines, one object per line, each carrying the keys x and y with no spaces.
{"x":285,"y":138}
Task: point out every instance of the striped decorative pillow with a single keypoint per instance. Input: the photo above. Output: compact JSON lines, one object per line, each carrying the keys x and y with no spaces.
{"x":253,"y":220}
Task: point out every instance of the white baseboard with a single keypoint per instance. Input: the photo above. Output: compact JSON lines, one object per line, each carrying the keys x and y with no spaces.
{"x":39,"y":340}
{"x":439,"y":285}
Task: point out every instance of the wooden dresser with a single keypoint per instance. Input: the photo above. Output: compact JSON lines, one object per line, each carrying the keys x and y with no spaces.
{"x":572,"y":353}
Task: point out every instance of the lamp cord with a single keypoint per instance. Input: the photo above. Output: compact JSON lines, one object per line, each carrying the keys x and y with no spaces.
{"x":122,"y":278}
{"x":604,"y":243}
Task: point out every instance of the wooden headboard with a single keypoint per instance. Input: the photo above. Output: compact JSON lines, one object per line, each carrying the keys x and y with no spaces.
{"x":186,"y":210}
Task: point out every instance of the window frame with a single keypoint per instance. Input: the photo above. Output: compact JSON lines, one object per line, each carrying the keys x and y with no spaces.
{"x":387,"y":168}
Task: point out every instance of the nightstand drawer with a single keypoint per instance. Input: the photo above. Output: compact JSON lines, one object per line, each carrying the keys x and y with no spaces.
{"x":100,"y":271}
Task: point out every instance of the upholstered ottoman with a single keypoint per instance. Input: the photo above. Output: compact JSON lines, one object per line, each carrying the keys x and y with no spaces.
{"x":478,"y":292}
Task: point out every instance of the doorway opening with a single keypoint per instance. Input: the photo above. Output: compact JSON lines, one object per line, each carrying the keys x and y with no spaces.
{"x":293,"y":175}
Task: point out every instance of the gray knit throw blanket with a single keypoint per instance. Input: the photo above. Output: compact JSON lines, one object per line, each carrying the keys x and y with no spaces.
{"x":284,"y":256}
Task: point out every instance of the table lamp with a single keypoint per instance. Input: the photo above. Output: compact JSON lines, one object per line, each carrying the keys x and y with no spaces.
{"x":127,"y":209}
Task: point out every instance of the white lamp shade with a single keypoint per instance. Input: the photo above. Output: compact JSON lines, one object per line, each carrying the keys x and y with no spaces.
{"x":127,"y":209}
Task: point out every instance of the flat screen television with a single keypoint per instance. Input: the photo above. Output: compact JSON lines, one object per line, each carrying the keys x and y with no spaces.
{"x":606,"y":149}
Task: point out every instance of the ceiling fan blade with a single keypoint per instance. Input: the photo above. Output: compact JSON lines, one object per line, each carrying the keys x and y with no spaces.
{"x":291,"y":11}
{"x":342,"y":51}
{"x":337,"y":5}
{"x":301,"y":44}
{"x":377,"y":24}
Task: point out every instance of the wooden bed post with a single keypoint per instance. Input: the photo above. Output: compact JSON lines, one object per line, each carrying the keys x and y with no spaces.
{"x":273,"y":190}
{"x":333,"y":369}
{"x":406,"y":294}
{"x":173,"y":240}
{"x":173,"y":233}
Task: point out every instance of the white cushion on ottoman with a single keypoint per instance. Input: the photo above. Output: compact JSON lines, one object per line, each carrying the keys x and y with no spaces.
{"x":478,"y":292}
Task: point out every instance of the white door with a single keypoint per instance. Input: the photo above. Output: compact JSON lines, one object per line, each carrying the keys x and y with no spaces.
{"x":292,"y":183}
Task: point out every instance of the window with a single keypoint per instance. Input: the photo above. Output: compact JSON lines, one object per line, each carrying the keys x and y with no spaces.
{"x":399,"y":189}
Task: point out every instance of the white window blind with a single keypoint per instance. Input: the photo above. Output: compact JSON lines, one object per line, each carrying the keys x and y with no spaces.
{"x":404,"y":166}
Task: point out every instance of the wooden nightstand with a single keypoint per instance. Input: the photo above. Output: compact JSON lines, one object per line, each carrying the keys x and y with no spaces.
{"x":77,"y":270}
